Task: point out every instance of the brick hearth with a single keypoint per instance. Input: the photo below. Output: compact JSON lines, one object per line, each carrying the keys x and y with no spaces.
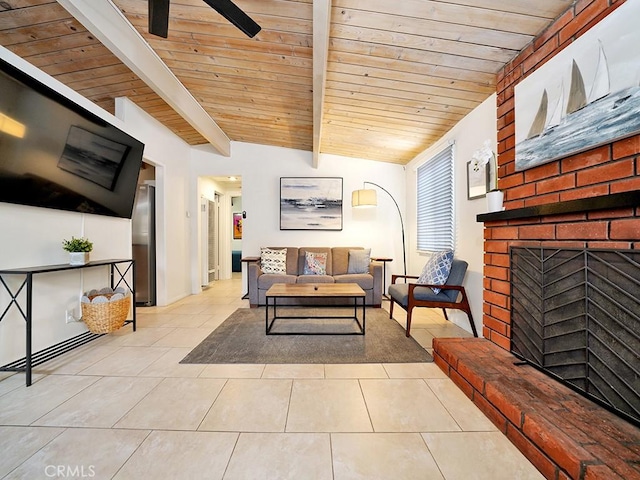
{"x":562,"y":433}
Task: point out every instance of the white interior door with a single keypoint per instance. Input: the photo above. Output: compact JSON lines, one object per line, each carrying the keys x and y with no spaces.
{"x":214,"y":239}
{"x":204,"y":241}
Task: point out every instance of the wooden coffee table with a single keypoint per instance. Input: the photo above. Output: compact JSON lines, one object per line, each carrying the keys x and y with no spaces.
{"x":318,"y":290}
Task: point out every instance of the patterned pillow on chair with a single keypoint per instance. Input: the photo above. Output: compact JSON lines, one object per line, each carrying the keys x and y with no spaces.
{"x":315,"y":263}
{"x":273,"y":261}
{"x":436,"y":270}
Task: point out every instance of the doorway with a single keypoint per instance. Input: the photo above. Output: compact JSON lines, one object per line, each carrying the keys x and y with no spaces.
{"x":218,"y":203}
{"x":238,"y":216}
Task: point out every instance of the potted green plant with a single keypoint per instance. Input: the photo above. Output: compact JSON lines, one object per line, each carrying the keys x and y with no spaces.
{"x":78,"y":249}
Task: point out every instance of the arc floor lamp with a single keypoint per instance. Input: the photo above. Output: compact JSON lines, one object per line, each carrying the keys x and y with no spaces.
{"x":368,"y":197}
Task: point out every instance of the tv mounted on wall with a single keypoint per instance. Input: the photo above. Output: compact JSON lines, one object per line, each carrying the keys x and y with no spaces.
{"x":56,"y":154}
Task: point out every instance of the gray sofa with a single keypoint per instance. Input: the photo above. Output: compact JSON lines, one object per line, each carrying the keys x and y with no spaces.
{"x":337,"y":267}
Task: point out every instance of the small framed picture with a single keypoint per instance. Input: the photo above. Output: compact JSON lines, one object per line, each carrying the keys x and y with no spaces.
{"x":477,"y":179}
{"x":237,"y":226}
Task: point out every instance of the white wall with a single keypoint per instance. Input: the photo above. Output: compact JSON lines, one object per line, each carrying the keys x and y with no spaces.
{"x":468,"y":135}
{"x":170,"y":157}
{"x":262,"y":166}
{"x":31,"y":236}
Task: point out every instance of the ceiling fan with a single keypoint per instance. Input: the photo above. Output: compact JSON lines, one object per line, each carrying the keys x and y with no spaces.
{"x":159,"y":17}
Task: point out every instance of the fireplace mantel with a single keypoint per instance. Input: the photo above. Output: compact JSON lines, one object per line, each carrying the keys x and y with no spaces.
{"x":605,"y":202}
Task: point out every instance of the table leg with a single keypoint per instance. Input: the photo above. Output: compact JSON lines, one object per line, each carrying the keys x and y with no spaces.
{"x":384,"y":280}
{"x":246,"y":295}
{"x":269,"y":326}
{"x":29,"y":318}
{"x":133,"y":291}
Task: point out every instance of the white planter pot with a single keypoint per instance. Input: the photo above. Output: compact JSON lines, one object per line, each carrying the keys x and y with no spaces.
{"x":78,"y":258}
{"x":494,"y":201}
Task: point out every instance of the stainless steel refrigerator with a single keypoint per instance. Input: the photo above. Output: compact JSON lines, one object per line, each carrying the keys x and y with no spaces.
{"x":144,"y":245}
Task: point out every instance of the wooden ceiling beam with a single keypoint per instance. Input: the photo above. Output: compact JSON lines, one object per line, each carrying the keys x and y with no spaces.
{"x":110,"y":26}
{"x":321,"y":27}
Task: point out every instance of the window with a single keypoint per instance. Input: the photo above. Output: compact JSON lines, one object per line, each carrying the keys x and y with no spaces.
{"x":435,"y":202}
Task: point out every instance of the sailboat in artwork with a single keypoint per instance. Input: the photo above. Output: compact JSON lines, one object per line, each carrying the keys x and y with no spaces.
{"x":557,"y":112}
{"x":601,"y":83}
{"x":577,"y":92}
{"x":540,"y":120}
{"x":599,"y":88}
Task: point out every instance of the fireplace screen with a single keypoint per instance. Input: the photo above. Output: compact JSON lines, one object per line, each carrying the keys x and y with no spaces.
{"x":576,"y":315}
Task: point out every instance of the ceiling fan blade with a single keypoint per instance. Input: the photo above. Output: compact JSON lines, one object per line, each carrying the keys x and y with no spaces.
{"x":231,"y":12}
{"x":159,"y":17}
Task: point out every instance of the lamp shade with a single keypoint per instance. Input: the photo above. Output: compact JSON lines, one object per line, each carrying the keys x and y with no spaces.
{"x":363,"y":198}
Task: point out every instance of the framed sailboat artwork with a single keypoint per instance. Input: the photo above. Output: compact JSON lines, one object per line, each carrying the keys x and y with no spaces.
{"x":587,"y":95}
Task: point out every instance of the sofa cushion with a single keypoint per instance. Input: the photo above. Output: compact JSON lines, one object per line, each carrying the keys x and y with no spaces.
{"x":340,"y":259}
{"x":273,"y":261}
{"x":365,"y":280}
{"x":359,"y":261}
{"x":266,"y":280}
{"x":315,"y":263}
{"x":400,"y":293}
{"x":292,"y":260}
{"x":315,"y":279}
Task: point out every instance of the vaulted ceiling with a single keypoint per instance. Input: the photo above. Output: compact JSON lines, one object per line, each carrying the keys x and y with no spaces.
{"x":391,"y":77}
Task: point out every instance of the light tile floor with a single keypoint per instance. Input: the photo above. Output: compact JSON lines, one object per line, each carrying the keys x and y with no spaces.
{"x":123,"y":407}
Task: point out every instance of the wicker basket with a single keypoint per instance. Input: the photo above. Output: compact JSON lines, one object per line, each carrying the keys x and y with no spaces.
{"x":106,"y":317}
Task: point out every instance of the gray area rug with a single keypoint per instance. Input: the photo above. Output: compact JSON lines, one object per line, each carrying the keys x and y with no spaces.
{"x":242,"y":339}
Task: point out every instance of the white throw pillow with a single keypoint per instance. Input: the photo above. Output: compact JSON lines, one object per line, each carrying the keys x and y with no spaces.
{"x":436,"y":270}
{"x":273,"y":261}
{"x":359,"y":261}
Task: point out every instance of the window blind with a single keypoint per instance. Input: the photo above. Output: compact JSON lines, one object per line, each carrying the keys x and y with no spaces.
{"x":435,"y":203}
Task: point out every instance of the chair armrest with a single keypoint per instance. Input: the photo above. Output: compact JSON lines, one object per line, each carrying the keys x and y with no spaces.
{"x":395,"y":277}
{"x":254,"y":270}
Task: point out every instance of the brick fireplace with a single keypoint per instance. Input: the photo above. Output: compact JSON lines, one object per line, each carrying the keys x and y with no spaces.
{"x":601,"y":172}
{"x":590,"y":200}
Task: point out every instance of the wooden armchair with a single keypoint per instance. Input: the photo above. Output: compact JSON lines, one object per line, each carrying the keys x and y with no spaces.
{"x":410,"y":295}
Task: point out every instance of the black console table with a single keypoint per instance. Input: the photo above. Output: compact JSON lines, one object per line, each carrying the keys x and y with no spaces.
{"x":118,"y":268}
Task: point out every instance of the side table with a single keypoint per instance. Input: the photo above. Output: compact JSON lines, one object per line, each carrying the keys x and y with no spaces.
{"x":384,"y":261}
{"x":118,"y":270}
{"x":248,"y":260}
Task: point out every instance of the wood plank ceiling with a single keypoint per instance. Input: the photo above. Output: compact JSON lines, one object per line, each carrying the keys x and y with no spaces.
{"x":399,"y":74}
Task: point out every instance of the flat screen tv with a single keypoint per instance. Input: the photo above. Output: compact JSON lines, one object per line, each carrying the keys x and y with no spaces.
{"x":56,"y":154}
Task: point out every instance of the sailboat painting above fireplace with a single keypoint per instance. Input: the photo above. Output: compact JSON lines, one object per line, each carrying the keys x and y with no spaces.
{"x":587,"y":95}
